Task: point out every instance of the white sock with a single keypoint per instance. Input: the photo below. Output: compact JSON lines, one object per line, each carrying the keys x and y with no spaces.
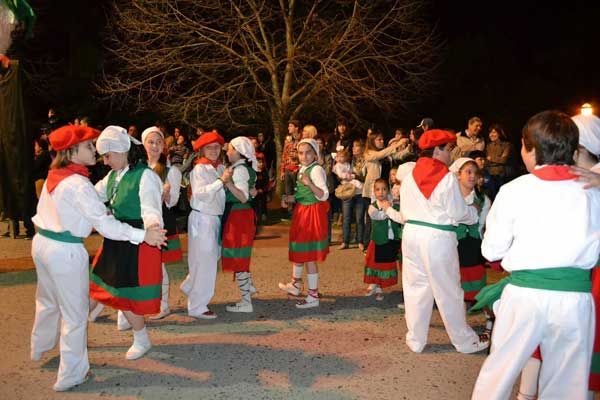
{"x":529,"y":378}
{"x":297,"y":273}
{"x":244,"y":283}
{"x":313,"y":282}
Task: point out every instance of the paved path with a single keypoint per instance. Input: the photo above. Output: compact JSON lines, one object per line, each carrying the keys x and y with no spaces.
{"x":351,"y":347}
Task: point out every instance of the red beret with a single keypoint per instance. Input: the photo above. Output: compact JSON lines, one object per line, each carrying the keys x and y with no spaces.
{"x":436,"y":137}
{"x":70,"y":135}
{"x":260,"y":155}
{"x":208,"y":138}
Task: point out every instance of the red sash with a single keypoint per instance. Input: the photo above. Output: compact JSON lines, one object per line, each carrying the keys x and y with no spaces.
{"x":428,"y":172}
{"x":55,"y":176}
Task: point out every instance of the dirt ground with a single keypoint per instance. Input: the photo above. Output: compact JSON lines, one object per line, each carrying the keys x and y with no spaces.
{"x":351,"y":347}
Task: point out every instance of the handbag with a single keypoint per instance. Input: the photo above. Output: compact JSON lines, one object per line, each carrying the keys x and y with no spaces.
{"x":345,"y":191}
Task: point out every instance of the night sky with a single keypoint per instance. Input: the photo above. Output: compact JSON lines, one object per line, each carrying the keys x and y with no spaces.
{"x":502,"y":60}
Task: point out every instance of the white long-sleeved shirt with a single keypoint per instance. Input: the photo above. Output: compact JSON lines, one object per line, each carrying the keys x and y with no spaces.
{"x":174,"y":180}
{"x":150,"y":194}
{"x":74,"y":206}
{"x":536,"y":224}
{"x":208,"y":194}
{"x":445,"y":206}
{"x":240,"y":178}
{"x":318,"y":178}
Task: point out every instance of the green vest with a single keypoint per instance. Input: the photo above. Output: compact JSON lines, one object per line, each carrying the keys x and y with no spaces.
{"x":230,"y":198}
{"x":304,"y":195}
{"x":379,"y":229}
{"x":124,"y":199}
{"x":471,"y":230}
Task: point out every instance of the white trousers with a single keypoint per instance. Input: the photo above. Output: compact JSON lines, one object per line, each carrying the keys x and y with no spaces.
{"x":203,"y":255}
{"x":561,"y":323}
{"x":430,"y":271}
{"x":164,"y":300}
{"x":62,"y":296}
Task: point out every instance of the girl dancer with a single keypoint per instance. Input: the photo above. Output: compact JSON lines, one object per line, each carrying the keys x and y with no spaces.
{"x":239,"y":224}
{"x":381,"y":261}
{"x":124,"y":275}
{"x":308,"y":233}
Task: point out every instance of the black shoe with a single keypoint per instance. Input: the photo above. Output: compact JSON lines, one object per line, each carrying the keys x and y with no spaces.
{"x":5,"y":234}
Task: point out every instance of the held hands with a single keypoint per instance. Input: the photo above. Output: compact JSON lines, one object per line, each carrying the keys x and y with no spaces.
{"x":253,"y":192}
{"x":304,"y":179}
{"x":226,"y":177}
{"x":289,"y":198}
{"x":385,"y":204}
{"x":402,"y":144}
{"x":477,"y":207}
{"x":155,"y":236}
{"x":585,"y":175}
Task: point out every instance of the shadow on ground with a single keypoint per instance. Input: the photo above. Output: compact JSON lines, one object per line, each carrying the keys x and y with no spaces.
{"x":231,"y":371}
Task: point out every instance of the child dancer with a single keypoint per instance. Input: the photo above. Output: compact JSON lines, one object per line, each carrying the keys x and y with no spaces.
{"x":431,"y":207}
{"x":472,"y":271}
{"x":67,"y":211}
{"x":587,"y":159}
{"x":238,"y":222}
{"x":154,"y":143}
{"x":308,"y":233}
{"x":207,"y":181}
{"x":124,"y":275}
{"x":381,"y":269}
{"x":546,"y":301}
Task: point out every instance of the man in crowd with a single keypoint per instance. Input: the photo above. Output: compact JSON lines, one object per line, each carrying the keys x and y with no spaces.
{"x":469,"y":140}
{"x":289,"y":161}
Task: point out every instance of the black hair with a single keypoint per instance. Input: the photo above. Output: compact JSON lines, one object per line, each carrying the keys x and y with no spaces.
{"x":136,"y":154}
{"x":476,"y":154}
{"x":553,"y":135}
{"x":381,"y":180}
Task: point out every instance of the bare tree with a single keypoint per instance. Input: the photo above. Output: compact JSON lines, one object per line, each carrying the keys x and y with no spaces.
{"x":264,"y":62}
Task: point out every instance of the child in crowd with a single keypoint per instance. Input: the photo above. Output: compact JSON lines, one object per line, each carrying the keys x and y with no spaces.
{"x":308,"y":233}
{"x":487,"y":183}
{"x":207,"y":182}
{"x":67,"y":211}
{"x":394,"y":185}
{"x":179,"y":152}
{"x":472,"y":270}
{"x":343,"y":169}
{"x":262,"y":190}
{"x":238,"y":220}
{"x":546,"y":301}
{"x":128,"y":276}
{"x":381,"y":261}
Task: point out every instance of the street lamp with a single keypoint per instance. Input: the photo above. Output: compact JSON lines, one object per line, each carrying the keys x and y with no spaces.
{"x":586,"y":109}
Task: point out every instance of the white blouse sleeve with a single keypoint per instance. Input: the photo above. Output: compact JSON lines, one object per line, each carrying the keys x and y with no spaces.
{"x":319,"y":178}
{"x":241,"y":178}
{"x":395,"y":215}
{"x":485,"y":209}
{"x":101,"y":188}
{"x":174,"y":179}
{"x":498,"y":229}
{"x":91,"y":207}
{"x":151,"y":198}
{"x":377,"y":215}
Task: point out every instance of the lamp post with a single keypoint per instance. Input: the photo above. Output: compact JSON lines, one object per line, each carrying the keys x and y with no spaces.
{"x":586,"y":109}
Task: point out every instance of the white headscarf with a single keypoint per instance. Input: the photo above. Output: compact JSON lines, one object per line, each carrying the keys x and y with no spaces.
{"x":589,"y":132}
{"x":114,"y":138}
{"x":457,"y":165}
{"x":245,"y":147}
{"x":313,"y":143}
{"x":404,"y":169}
{"x":148,"y":131}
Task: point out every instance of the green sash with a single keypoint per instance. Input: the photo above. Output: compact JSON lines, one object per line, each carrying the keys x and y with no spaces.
{"x":565,"y":279}
{"x":65,"y":236}
{"x":449,"y":228}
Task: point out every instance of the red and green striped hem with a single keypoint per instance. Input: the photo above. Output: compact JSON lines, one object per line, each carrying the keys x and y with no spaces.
{"x":236,"y":259}
{"x":385,"y":278}
{"x":139,"y":293}
{"x":308,"y":251}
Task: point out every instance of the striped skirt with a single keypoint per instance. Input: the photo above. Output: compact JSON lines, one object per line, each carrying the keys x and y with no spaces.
{"x":309,"y":233}
{"x":237,"y":240}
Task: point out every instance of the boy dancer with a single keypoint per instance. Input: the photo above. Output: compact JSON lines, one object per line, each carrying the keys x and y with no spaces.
{"x":432,"y":206}
{"x":546,"y":301}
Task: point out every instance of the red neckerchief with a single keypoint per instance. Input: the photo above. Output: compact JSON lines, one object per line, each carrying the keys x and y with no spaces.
{"x":554,"y":173}
{"x":55,"y":176}
{"x":204,"y":160}
{"x":428,"y":172}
